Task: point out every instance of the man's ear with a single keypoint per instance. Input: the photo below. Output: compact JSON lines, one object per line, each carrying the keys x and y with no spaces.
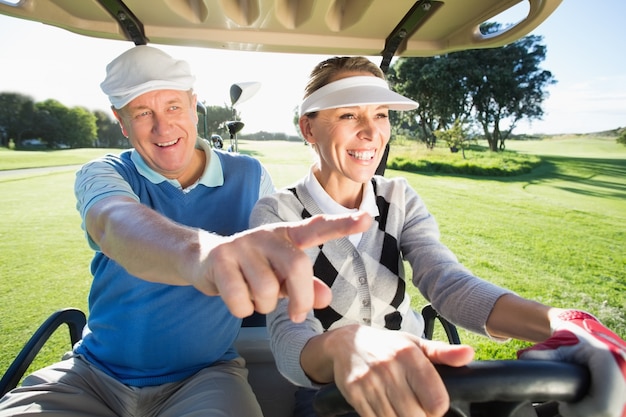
{"x":305,"y":129}
{"x":120,"y":120}
{"x":194,"y":106}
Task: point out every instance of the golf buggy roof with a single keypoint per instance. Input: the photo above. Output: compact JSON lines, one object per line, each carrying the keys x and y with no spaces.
{"x":383,"y":28}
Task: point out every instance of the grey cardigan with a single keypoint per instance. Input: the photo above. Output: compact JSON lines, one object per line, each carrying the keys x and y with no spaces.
{"x":368,"y":282}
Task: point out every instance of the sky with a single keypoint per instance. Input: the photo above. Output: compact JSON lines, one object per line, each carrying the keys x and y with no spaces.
{"x":585,"y":53}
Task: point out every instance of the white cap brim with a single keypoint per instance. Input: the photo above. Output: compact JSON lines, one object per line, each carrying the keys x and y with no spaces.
{"x":355,"y":91}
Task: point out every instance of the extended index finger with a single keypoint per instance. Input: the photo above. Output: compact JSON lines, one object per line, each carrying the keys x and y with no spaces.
{"x":322,"y":228}
{"x":315,"y":231}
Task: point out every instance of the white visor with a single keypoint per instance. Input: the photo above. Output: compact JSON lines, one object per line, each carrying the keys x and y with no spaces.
{"x":355,"y":91}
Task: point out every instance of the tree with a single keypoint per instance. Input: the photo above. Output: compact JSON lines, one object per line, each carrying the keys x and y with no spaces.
{"x":456,"y":137}
{"x":47,"y":121}
{"x":16,"y":116}
{"x":483,"y":86}
{"x":295,"y":119}
{"x":58,"y":125}
{"x":217,"y":116}
{"x":507,"y":83}
{"x":437,"y":84}
{"x":109,"y":131}
{"x":81,"y":129}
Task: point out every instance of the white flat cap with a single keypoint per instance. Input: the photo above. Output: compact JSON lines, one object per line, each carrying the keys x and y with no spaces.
{"x":143,"y":69}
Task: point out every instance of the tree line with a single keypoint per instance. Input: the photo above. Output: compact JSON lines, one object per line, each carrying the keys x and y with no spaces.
{"x":49,"y":124}
{"x":52,"y":125}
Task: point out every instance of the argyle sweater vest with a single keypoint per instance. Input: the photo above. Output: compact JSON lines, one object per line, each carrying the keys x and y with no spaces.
{"x":367,"y":282}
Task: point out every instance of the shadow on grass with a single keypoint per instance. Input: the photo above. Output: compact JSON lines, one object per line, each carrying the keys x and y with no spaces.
{"x":598,"y":177}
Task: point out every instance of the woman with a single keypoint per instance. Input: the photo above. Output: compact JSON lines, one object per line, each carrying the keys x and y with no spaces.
{"x":345,"y":118}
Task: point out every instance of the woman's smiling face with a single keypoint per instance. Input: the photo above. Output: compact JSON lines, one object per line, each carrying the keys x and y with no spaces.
{"x":350,"y":142}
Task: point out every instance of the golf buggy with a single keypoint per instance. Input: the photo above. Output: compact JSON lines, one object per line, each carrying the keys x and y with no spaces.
{"x":384,"y":28}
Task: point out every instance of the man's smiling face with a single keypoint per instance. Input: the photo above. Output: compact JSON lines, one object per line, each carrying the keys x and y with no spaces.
{"x":161,"y":126}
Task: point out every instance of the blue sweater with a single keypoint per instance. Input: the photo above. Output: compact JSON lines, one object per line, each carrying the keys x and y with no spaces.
{"x":144,"y":333}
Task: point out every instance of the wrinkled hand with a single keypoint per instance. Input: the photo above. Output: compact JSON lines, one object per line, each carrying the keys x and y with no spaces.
{"x":579,"y":337}
{"x":253,"y":269}
{"x":391,"y":373}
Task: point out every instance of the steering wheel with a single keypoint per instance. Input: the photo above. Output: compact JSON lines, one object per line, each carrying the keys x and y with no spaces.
{"x":506,"y":388}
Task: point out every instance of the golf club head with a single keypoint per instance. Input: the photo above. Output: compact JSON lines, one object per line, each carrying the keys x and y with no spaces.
{"x":241,"y":92}
{"x":234,"y":126}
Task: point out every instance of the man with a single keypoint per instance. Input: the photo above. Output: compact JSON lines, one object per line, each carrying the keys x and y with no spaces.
{"x":174,"y":270}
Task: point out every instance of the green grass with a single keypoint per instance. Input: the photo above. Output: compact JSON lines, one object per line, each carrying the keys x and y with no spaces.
{"x":556,"y":235}
{"x":44,"y":262}
{"x":285,"y":161}
{"x":36,"y":159}
{"x":477,"y":160}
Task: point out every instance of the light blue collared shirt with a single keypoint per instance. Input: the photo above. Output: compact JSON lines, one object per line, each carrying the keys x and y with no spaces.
{"x":97,"y":180}
{"x":213,"y":175}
